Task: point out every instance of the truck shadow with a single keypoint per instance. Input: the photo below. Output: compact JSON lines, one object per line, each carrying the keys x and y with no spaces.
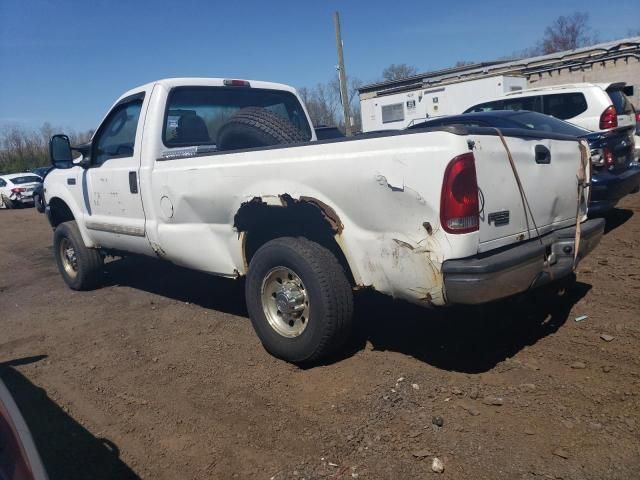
{"x":462,"y":339}
{"x":168,"y":280}
{"x":68,"y":451}
{"x":616,"y":218}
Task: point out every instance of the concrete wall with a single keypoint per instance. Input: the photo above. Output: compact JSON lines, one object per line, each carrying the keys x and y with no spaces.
{"x":621,"y":70}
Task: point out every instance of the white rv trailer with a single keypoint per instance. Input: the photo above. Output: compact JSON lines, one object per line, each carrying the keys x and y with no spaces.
{"x":397,"y":108}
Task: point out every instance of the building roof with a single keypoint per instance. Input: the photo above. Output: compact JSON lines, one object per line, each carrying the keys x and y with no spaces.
{"x":602,"y":51}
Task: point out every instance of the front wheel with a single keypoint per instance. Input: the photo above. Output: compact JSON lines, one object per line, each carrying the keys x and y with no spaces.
{"x":299,"y":299}
{"x":39,"y":202}
{"x":80,"y":267}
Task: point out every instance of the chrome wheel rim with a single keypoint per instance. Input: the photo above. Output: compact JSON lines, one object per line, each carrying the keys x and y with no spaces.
{"x":69,"y":257}
{"x":285,"y":302}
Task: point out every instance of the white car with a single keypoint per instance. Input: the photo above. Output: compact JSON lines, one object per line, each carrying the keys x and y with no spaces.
{"x":594,"y":106}
{"x":227,"y":176}
{"x":16,"y":189}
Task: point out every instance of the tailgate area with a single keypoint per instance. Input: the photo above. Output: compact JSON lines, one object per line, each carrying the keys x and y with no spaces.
{"x":548,"y":169}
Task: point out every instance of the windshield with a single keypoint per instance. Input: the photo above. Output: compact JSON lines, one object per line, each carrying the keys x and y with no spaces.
{"x":26,"y":179}
{"x":546,"y":123}
{"x":205,"y":109}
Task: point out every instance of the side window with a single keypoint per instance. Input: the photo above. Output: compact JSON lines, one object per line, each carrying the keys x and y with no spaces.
{"x":3,"y":183}
{"x":533,"y":104}
{"x":564,"y":105}
{"x":487,"y":107}
{"x":117,"y":134}
{"x":393,"y":113}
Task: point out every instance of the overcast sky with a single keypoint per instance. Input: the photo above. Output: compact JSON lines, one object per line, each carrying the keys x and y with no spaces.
{"x":66,"y":61}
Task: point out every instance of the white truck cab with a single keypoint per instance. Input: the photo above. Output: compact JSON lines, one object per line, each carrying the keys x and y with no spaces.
{"x":227,"y":177}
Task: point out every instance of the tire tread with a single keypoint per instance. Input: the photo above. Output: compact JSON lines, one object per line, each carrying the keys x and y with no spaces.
{"x":335,"y":291}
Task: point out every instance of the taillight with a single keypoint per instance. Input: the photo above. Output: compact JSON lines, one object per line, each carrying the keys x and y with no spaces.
{"x":459,"y":206}
{"x":609,"y":158}
{"x":637,"y":117}
{"x":609,"y":118}
{"x":18,"y":190}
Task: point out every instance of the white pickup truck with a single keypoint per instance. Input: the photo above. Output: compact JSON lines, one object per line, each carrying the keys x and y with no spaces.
{"x":227,"y":177}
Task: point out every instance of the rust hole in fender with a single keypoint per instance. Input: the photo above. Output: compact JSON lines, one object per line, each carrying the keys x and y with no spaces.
{"x":265,"y":217}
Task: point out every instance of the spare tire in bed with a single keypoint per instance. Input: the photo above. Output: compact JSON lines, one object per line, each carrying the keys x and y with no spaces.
{"x":256,"y":127}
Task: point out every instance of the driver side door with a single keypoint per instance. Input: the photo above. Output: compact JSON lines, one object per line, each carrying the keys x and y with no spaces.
{"x":111,"y":183}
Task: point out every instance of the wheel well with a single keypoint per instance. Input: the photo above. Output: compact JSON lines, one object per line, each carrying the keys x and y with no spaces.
{"x":260,"y":222}
{"x":59,"y":212}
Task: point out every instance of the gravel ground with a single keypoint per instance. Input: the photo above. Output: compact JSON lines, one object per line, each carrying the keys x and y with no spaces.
{"x":159,"y":375}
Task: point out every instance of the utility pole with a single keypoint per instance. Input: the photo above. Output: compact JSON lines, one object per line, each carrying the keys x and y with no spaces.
{"x":342,"y":76}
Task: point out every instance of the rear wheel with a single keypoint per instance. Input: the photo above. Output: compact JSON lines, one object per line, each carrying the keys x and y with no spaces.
{"x":8,"y":203}
{"x":299,"y":299}
{"x":80,"y":267}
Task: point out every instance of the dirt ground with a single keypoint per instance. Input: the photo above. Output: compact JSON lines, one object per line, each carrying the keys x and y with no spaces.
{"x":159,"y":375}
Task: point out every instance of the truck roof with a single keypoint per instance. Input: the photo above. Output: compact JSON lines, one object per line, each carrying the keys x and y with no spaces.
{"x":204,"y":82}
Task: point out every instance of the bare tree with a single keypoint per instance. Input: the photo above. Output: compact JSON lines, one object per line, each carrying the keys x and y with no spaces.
{"x":323,"y":103}
{"x":565,"y":33}
{"x":568,"y":33}
{"x":23,"y":149}
{"x":398,"y":72}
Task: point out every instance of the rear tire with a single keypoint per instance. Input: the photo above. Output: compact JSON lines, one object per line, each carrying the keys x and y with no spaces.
{"x":8,"y":203}
{"x":299,"y":300}
{"x":80,"y":267}
{"x":256,"y":127}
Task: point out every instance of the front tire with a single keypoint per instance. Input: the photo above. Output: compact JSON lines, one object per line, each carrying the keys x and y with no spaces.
{"x":38,"y":201}
{"x":299,"y":300}
{"x":80,"y":267}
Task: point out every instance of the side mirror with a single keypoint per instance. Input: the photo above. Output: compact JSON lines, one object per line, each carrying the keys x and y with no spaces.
{"x":60,"y":152}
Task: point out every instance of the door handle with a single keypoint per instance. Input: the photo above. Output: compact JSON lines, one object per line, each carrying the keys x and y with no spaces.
{"x":543,"y":155}
{"x":133,"y":182}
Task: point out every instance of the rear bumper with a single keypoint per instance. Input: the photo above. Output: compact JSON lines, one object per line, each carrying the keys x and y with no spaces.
{"x":608,"y":188}
{"x":491,"y":276}
{"x":21,"y":199}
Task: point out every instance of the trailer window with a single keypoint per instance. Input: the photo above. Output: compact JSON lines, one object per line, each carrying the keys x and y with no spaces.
{"x":393,"y":113}
{"x":195,"y":114}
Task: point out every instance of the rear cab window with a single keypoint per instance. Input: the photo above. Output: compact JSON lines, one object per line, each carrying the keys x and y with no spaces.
{"x":195,"y":114}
